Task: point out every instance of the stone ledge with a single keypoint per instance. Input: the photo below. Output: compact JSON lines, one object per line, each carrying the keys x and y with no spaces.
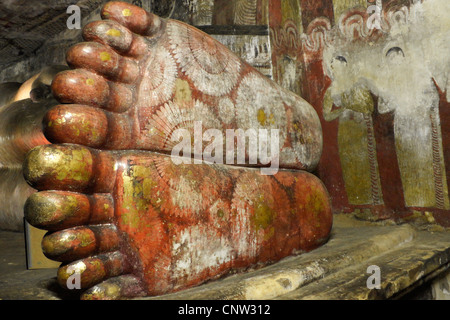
{"x":407,"y":258}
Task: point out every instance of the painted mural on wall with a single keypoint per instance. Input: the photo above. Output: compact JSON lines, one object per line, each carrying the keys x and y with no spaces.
{"x":380,"y":85}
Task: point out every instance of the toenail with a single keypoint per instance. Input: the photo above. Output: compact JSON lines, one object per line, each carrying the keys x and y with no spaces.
{"x":109,"y":33}
{"x":80,"y":86}
{"x":80,"y":242}
{"x":92,"y":270}
{"x":76,"y":124}
{"x":64,"y":167}
{"x":53,"y":210}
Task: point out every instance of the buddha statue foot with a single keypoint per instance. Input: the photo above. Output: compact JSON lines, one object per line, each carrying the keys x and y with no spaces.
{"x":126,"y":215}
{"x":139,"y":78}
{"x":153,"y":226}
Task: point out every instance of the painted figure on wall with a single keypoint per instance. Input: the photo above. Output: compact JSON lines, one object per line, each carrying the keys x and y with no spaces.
{"x":394,"y":144}
{"x":357,"y":146}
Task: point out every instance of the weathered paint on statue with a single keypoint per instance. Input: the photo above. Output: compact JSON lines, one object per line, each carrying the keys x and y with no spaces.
{"x":227,"y":93}
{"x":184,"y":224}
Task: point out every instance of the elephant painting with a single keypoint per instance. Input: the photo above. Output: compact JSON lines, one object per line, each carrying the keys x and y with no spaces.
{"x":386,"y":92}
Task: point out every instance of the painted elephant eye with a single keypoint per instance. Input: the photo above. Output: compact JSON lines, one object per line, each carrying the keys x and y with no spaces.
{"x":341,"y":59}
{"x":395,"y":50}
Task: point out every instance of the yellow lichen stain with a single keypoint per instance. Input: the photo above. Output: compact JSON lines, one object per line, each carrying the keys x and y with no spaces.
{"x":263,"y":119}
{"x":220,"y":213}
{"x":87,"y":128}
{"x":105,"y":56}
{"x":315,"y":203}
{"x":143,"y":174}
{"x":70,"y":206}
{"x":263,"y":217}
{"x":182,"y":91}
{"x":126,"y":12}
{"x":129,"y":217}
{"x":139,"y":196}
{"x":89,"y":81}
{"x":64,"y":273}
{"x":105,"y":13}
{"x":430,"y":217}
{"x":97,"y":264}
{"x":60,"y":121}
{"x":420,"y":218}
{"x":76,"y":131}
{"x":43,"y":209}
{"x":298,"y":130}
{"x":269,"y":234}
{"x":85,"y":239}
{"x":113,"y":32}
